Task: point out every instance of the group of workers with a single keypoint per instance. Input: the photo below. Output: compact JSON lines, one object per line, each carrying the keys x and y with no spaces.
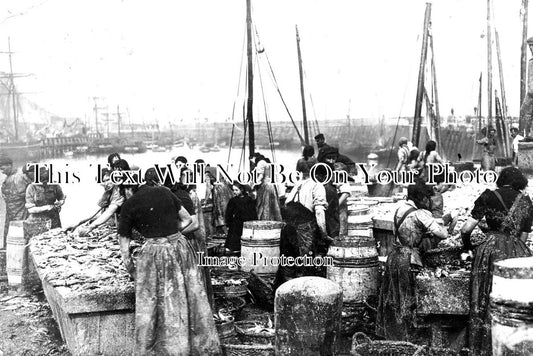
{"x":174,"y":295}
{"x":27,"y":197}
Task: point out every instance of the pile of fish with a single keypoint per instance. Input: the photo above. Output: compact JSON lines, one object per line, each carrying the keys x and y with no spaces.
{"x":80,"y":263}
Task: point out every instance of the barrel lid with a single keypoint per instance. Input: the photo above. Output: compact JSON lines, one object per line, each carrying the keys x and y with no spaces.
{"x":361,"y":219}
{"x":357,"y":208}
{"x":263,"y":225}
{"x":515,"y":268}
{"x":367,"y":202}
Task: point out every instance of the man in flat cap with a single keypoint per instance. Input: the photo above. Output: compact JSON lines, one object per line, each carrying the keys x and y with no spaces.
{"x":526,"y":110}
{"x":321,"y":145}
{"x":403,"y":154}
{"x":14,"y":191}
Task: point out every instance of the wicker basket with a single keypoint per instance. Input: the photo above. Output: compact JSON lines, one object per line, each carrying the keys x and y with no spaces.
{"x":362,"y":345}
{"x":226,"y":329}
{"x":242,"y":328}
{"x":247,"y":350}
{"x":233,"y":305}
{"x":227,"y":291}
{"x":239,"y":346}
{"x":262,"y":290}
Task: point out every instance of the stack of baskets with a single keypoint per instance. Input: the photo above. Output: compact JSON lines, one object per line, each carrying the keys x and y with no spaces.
{"x":362,"y":345}
{"x":249,"y":343}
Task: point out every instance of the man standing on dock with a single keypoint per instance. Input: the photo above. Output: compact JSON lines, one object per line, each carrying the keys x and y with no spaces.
{"x":403,"y":154}
{"x":321,"y":145}
{"x":516,"y":138}
{"x":172,"y":313}
{"x":526,"y":110}
{"x":14,"y":192}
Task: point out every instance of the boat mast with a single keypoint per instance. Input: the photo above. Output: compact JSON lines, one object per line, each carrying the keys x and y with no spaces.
{"x":480,"y":118}
{"x":118,"y":120}
{"x":436,"y":117}
{"x":523,"y":61}
{"x":249,"y":112}
{"x":306,"y":131}
{"x":489,"y":69}
{"x":417,"y":120}
{"x":503,"y":106}
{"x":15,"y":121}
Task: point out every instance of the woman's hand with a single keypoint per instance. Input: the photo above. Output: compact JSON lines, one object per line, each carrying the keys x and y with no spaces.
{"x":84,"y":230}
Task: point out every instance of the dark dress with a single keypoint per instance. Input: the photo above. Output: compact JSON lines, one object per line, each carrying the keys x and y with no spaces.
{"x":503,"y":241}
{"x":172,"y":313}
{"x":239,"y":210}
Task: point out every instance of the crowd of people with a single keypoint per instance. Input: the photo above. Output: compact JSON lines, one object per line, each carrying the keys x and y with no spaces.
{"x":174,"y":298}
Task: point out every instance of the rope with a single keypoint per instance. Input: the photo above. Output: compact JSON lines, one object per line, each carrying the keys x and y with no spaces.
{"x":313,"y":106}
{"x":283,"y":100}
{"x":401,"y":108}
{"x":238,"y":92}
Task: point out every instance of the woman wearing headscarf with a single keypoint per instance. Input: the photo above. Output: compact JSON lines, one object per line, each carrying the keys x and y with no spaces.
{"x":267,"y":201}
{"x":44,"y":200}
{"x":509,"y":216}
{"x":430,"y":155}
{"x":397,"y":300}
{"x":110,"y":203}
{"x":113,"y":158}
{"x":240,"y":208}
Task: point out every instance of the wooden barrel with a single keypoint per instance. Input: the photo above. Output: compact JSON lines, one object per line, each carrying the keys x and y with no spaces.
{"x":512,"y":307}
{"x":360,"y":225}
{"x":15,"y":251}
{"x":380,"y":190}
{"x":355,"y":267}
{"x":259,"y":244}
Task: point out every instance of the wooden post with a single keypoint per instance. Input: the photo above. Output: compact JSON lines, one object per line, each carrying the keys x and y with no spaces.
{"x":417,"y":119}
{"x":312,"y":328}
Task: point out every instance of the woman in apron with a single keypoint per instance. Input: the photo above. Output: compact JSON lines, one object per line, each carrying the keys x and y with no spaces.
{"x":397,"y":300}
{"x":509,"y":214}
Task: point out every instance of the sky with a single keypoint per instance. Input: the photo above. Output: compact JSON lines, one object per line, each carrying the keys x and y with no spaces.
{"x":180,"y":60}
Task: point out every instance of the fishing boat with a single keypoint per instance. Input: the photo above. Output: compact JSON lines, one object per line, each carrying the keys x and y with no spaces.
{"x":157,"y":148}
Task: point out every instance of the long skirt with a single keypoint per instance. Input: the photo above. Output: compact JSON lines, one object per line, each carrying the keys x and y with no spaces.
{"x":488,"y":161}
{"x":497,"y":247}
{"x":222,"y":193}
{"x":268,"y":202}
{"x":397,"y":300}
{"x":172,"y":313}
